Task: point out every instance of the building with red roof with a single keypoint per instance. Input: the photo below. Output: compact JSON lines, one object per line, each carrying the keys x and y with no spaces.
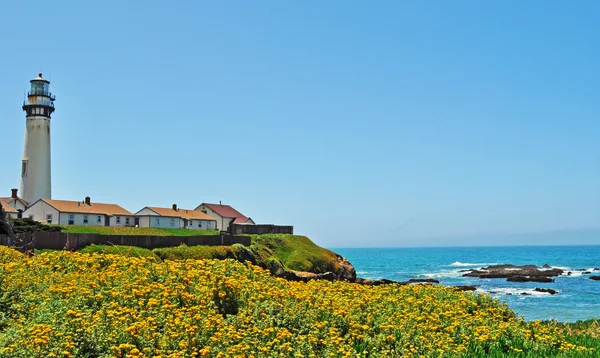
{"x":225,"y":215}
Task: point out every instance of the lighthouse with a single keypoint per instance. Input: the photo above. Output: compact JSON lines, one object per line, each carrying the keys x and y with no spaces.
{"x":35,"y":169}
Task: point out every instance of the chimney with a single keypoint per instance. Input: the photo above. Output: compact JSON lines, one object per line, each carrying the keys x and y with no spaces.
{"x":175,"y":207}
{"x":88,"y":201}
{"x":14,"y":193}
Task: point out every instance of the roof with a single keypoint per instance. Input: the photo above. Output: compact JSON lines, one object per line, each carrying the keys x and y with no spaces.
{"x":181,"y":213}
{"x":240,"y":220}
{"x":227,"y":212}
{"x":68,"y":206}
{"x":39,"y":78}
{"x":6,"y":206}
{"x":8,"y":199}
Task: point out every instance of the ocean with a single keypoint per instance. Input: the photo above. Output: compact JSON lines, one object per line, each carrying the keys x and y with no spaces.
{"x":578,"y":297}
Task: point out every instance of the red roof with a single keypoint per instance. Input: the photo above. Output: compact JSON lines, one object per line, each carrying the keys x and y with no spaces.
{"x":227,"y":212}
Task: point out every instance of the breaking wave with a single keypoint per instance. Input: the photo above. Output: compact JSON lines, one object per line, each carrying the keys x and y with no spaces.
{"x":513,"y":291}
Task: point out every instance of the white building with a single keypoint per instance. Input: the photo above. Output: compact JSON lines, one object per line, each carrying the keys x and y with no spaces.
{"x":35,"y":168}
{"x":82,"y":213}
{"x":14,"y":201}
{"x":174,"y":218}
{"x":224,"y":215}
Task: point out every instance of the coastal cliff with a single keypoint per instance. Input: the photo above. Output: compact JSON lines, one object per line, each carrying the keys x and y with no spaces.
{"x":292,"y":257}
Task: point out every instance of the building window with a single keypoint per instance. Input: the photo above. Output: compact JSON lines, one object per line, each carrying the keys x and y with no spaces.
{"x":172,"y":222}
{"x":49,"y":218}
{"x":71,"y":219}
{"x":85,"y":219}
{"x":118,"y":219}
{"x":157,"y":222}
{"x":126,"y":221}
{"x":200,"y":224}
{"x":24,"y":169}
{"x":99,"y":219}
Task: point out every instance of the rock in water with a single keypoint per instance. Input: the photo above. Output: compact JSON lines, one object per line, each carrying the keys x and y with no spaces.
{"x":546,"y":290}
{"x":529,"y":279}
{"x":508,"y":271}
{"x":464,"y":288}
{"x":383,"y":281}
{"x":423,"y":280}
{"x":595,"y":278}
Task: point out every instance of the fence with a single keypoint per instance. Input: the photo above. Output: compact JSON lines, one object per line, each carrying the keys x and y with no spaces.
{"x":60,"y":240}
{"x":239,"y":229}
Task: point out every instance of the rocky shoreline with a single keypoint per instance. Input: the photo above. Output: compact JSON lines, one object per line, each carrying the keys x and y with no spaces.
{"x":512,"y":273}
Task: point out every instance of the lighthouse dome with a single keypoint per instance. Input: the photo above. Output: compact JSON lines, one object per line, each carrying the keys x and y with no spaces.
{"x":39,"y":78}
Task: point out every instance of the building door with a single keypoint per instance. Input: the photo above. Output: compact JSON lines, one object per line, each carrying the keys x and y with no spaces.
{"x":137,"y":222}
{"x":106,"y":220}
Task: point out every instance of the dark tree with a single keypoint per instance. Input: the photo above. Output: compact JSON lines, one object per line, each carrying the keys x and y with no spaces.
{"x":6,"y":227}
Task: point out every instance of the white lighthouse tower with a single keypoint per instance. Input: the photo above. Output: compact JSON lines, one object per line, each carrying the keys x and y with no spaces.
{"x":35,"y":170}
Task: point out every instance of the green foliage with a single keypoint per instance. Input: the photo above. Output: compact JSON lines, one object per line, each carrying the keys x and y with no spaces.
{"x":144,"y":231}
{"x":71,"y":304}
{"x":129,"y":251}
{"x":225,"y":298}
{"x":29,"y":225}
{"x":276,"y":252}
{"x":582,"y":333}
{"x":296,"y":252}
{"x":199,"y":252}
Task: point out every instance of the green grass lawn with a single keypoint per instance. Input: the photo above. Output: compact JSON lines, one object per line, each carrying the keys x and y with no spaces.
{"x":147,"y":231}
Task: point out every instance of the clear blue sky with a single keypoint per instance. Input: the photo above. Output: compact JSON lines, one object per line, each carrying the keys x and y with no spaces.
{"x":363,"y":124}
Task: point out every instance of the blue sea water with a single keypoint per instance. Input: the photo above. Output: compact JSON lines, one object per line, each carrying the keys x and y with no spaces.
{"x":578,"y":297}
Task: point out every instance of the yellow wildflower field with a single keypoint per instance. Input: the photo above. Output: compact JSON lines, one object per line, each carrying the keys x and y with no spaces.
{"x":70,"y":304}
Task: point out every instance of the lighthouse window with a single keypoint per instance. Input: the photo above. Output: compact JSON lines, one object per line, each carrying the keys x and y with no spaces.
{"x":24,"y":169}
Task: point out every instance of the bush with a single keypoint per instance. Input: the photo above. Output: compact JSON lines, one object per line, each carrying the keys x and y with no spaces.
{"x":29,"y":225}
